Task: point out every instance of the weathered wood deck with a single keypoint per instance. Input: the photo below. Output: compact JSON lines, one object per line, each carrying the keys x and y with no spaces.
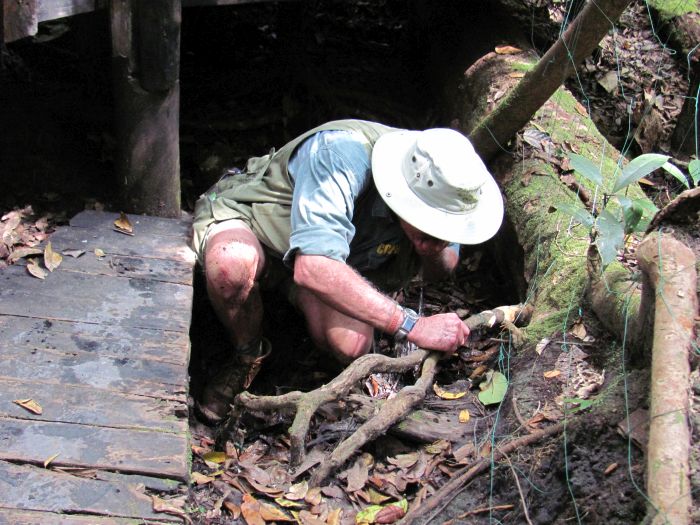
{"x":102,"y":345}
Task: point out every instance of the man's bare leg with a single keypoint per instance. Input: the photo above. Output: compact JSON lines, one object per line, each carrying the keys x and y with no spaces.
{"x":233,"y":262}
{"x":346,"y":338}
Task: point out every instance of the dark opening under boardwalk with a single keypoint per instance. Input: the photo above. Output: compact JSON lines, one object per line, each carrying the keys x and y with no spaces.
{"x":102,"y":345}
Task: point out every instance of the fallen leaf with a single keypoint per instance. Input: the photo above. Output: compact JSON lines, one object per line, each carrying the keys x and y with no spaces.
{"x":52,"y":259}
{"x":37,"y":271}
{"x":377,"y":498}
{"x":579,"y":330}
{"x":464,"y":416}
{"x":334,"y":517}
{"x":438,"y":447}
{"x":359,"y":473}
{"x":200,"y":479}
{"x":507,"y":50}
{"x":250,"y":508}
{"x":23,"y":252}
{"x":31,"y":405}
{"x":173,"y":506}
{"x":404,"y":460}
{"x":73,"y":253}
{"x":444,"y":394}
{"x":390,"y":513}
{"x":333,"y":491}
{"x":611,"y":468}
{"x":48,"y":460}
{"x":99,"y":252}
{"x":214,"y":456}
{"x":609,"y":81}
{"x":297,"y":491}
{"x":123,"y":225}
{"x":307,"y":518}
{"x":516,"y":74}
{"x":289,"y":504}
{"x":549,"y":374}
{"x":542,"y":345}
{"x":269,"y":512}
{"x":313,"y":496}
{"x":234,"y":509}
{"x":494,"y":389}
{"x":464,"y":452}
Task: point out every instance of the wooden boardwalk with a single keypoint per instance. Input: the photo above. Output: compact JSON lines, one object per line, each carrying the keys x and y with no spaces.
{"x":102,"y":345}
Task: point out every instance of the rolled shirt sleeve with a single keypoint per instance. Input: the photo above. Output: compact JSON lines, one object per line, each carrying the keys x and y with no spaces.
{"x":329,"y":171}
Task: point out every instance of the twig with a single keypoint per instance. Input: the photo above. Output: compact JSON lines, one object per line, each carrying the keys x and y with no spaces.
{"x":520,"y":490}
{"x":520,"y":419}
{"x":474,"y":512}
{"x":451,"y":489}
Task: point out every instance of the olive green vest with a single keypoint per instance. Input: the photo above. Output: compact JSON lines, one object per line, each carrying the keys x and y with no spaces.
{"x":261,"y":196}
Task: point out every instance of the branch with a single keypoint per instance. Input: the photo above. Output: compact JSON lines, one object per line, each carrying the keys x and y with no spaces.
{"x":307,"y":403}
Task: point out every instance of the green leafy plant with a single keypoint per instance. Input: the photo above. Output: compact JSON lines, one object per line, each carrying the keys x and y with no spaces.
{"x":609,"y":225}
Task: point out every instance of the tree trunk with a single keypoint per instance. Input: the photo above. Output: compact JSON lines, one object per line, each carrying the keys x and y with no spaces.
{"x":145,"y":57}
{"x":538,"y":85}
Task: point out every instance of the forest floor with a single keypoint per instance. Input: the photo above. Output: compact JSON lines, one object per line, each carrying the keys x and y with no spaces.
{"x":590,"y":472}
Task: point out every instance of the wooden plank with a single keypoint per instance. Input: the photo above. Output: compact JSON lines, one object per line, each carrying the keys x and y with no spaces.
{"x":72,"y":296}
{"x":107,"y":340}
{"x":92,"y":406}
{"x":143,"y":224}
{"x":142,"y":377}
{"x":19,"y":19}
{"x":200,"y":3}
{"x":31,"y":517}
{"x":127,"y":451}
{"x":52,"y":9}
{"x":141,"y":260}
{"x":40,"y":493}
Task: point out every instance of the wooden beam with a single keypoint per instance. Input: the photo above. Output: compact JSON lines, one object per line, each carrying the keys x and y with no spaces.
{"x":19,"y":19}
{"x":52,"y":9}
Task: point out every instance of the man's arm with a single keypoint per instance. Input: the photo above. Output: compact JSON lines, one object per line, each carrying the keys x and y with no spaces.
{"x":339,"y":286}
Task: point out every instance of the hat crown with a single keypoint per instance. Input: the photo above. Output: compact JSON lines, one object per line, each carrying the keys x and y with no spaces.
{"x":440,"y":170}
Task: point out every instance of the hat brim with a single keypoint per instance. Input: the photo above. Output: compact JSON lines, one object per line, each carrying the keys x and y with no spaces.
{"x":475,"y":227}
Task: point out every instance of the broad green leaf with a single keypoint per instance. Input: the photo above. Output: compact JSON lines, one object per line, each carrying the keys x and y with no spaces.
{"x":638,"y":168}
{"x":493,"y":390}
{"x":632,"y":213}
{"x":611,"y":236}
{"x":694,"y":171}
{"x":582,"y":215}
{"x":677,"y":174}
{"x":579,"y":404}
{"x":586,"y":168}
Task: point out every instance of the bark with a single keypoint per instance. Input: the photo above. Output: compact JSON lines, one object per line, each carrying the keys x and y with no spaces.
{"x":145,"y":60}
{"x":669,"y":271}
{"x":493,"y":133}
{"x":305,"y":404}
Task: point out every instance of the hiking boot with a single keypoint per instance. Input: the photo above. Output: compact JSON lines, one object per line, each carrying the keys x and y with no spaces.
{"x":235,"y":376}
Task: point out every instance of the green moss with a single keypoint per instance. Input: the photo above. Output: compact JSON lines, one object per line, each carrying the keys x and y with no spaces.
{"x":671,"y":8}
{"x":523,"y":66}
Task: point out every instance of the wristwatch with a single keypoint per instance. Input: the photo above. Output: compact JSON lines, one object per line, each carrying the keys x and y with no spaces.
{"x":410,"y":318}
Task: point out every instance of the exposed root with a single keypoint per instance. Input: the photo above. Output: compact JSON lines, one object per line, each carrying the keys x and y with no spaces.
{"x":305,"y":404}
{"x":669,"y":273}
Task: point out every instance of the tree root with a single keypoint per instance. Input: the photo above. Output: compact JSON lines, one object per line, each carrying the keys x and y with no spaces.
{"x":452,"y":488}
{"x":670,"y":275}
{"x":307,"y":403}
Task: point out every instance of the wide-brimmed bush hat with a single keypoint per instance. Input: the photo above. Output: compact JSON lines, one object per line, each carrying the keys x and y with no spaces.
{"x":436,"y":182}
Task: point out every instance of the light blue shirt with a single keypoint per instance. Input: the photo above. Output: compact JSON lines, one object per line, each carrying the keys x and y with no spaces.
{"x":329,"y":170}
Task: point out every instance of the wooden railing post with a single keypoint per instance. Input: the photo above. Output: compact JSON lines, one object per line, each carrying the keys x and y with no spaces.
{"x":145,"y":62}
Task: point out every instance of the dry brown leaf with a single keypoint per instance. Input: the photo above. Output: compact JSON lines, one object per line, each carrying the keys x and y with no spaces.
{"x":73,"y":253}
{"x":359,"y":473}
{"x":611,"y":468}
{"x":22,"y":252}
{"x":253,"y":453}
{"x":579,"y":330}
{"x":542,"y":345}
{"x":200,"y":479}
{"x":377,"y":498}
{"x":334,"y":517}
{"x":52,"y":259}
{"x":464,"y":416}
{"x":269,"y":512}
{"x":297,"y":491}
{"x":313,"y":496}
{"x":173,"y":507}
{"x":50,"y":459}
{"x":288,"y":504}
{"x":123,"y":225}
{"x":549,"y":374}
{"x":35,"y":270}
{"x":234,"y":509}
{"x":516,"y":74}
{"x":31,"y":405}
{"x":389,"y":514}
{"x":507,"y":50}
{"x":250,"y":508}
{"x":464,"y":452}
{"x":404,"y":460}
{"x":307,"y":518}
{"x":99,"y":252}
{"x":333,"y":491}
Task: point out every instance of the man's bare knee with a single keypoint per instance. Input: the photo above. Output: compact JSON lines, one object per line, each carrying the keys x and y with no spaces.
{"x":348,"y":346}
{"x":231,"y":269}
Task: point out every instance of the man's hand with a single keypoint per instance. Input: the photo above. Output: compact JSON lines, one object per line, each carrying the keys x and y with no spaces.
{"x":443,"y":332}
